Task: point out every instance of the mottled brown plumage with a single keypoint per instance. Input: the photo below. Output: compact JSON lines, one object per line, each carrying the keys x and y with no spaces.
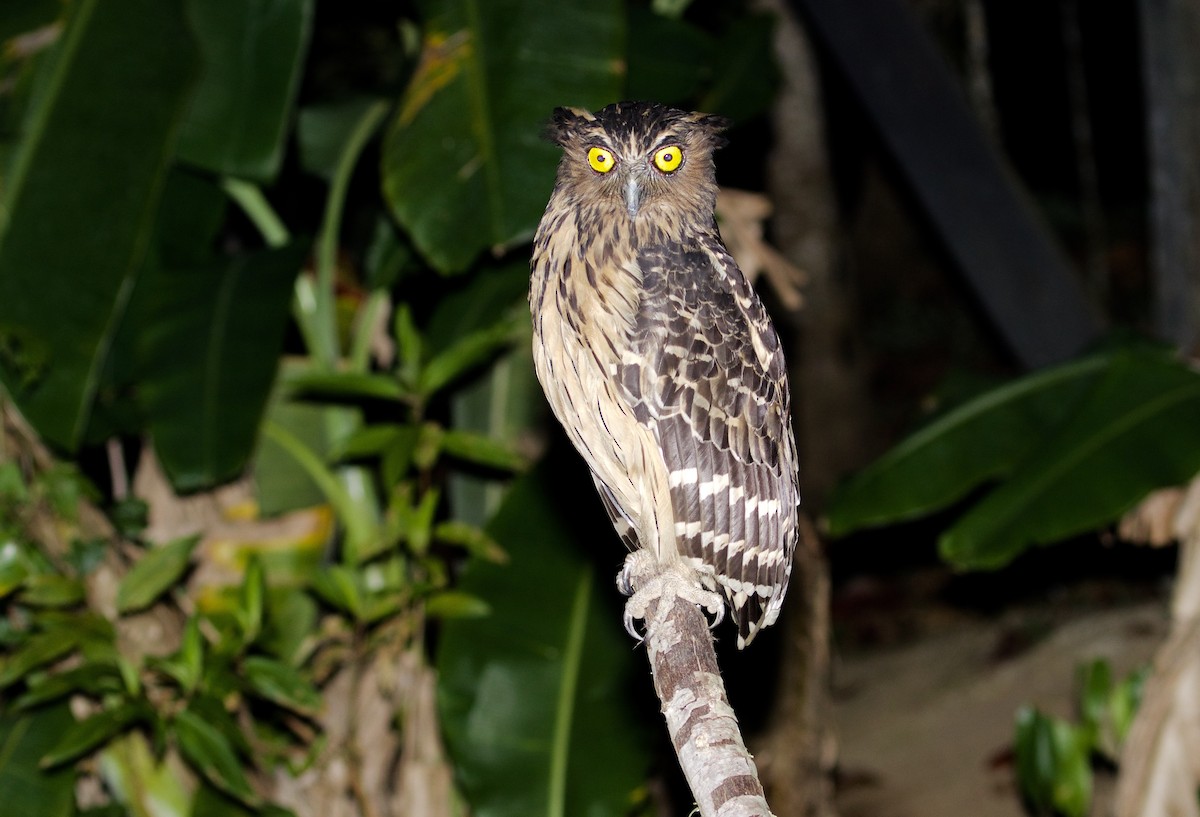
{"x":658,"y":358}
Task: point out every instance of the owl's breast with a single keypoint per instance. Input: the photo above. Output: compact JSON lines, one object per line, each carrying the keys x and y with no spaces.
{"x":588,"y":285}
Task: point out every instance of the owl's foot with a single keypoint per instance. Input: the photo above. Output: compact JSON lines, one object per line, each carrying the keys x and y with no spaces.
{"x":655,"y":582}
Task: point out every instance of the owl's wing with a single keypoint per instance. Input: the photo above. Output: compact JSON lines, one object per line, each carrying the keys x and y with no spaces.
{"x":708,"y":377}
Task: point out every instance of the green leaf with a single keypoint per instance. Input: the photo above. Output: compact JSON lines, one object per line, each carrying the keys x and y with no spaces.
{"x":465,"y":354}
{"x":14,"y":567}
{"x":482,"y":450}
{"x":92,"y":153}
{"x":341,"y":587}
{"x":1136,"y":431}
{"x":362,"y":534}
{"x":534,"y":698}
{"x":89,"y":734}
{"x":140,"y":783}
{"x":464,"y":165}
{"x":291,"y":631}
{"x":251,"y":600}
{"x":370,"y":441}
{"x":52,"y":590}
{"x":474,"y":540}
{"x":414,"y":517}
{"x":1073,"y":774}
{"x":281,"y":684}
{"x":30,"y":791}
{"x":669,"y":59}
{"x":319,"y":385}
{"x":38,"y":650}
{"x":1095,"y":689}
{"x":279,"y":485}
{"x":211,"y":753}
{"x":323,"y":130}
{"x":456,"y":604}
{"x":191,"y":653}
{"x":253,"y":52}
{"x":159,"y":569}
{"x":982,"y":439}
{"x":210,"y":348}
{"x":12,"y":482}
{"x":1124,"y":702}
{"x":91,"y":678}
{"x":187,"y":664}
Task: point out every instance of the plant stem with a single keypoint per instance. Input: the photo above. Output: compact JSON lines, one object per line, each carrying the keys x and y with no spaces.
{"x":325,"y":350}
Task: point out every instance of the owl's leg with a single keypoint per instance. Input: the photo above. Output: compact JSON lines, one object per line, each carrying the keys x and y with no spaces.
{"x":655,"y":581}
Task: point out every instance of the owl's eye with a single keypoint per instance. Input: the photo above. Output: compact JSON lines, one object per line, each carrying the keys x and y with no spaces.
{"x":601,"y":160}
{"x":669,"y":158}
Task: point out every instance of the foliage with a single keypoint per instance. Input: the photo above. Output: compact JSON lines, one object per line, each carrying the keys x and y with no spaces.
{"x":528,"y":693}
{"x":159,"y":289}
{"x":1053,"y":454}
{"x":1055,"y":756}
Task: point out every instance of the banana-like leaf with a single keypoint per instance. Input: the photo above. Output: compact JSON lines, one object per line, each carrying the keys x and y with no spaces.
{"x":1137,"y":430}
{"x":29,"y":790}
{"x":79,"y":201}
{"x":980,"y":440}
{"x":211,"y":347}
{"x":534,"y":698}
{"x":464,"y":164}
{"x":252,"y":53}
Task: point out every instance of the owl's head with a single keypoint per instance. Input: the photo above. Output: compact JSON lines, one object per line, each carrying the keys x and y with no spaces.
{"x":640,"y":157}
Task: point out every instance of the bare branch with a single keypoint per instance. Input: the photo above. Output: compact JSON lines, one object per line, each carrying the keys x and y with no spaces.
{"x":703,"y":728}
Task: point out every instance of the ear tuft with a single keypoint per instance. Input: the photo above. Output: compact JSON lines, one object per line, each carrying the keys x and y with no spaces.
{"x":713,"y":125}
{"x":565,"y":124}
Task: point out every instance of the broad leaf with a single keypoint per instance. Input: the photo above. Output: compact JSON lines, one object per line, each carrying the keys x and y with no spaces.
{"x":91,"y":678}
{"x":455,"y":604}
{"x":503,"y":405}
{"x":669,"y":58}
{"x":52,"y":590}
{"x":533,"y":698}
{"x":210,"y":352}
{"x":252,"y":51}
{"x":281,"y":684}
{"x":983,"y":439}
{"x":323,"y":131}
{"x":464,"y":164}
{"x":79,"y":200}
{"x":29,"y":790}
{"x":1136,"y":431}
{"x":90,"y":733}
{"x":154,"y":573}
{"x":38,"y":650}
{"x":314,"y":384}
{"x":212,"y":754}
{"x":140,"y":783}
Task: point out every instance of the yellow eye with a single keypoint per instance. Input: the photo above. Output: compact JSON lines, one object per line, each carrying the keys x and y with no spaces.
{"x":601,"y":160}
{"x":669,"y":158}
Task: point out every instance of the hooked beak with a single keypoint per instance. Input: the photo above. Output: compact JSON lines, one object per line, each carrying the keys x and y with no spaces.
{"x":633,"y":195}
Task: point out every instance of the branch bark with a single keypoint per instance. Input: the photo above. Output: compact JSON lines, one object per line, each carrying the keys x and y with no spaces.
{"x":702,"y":725}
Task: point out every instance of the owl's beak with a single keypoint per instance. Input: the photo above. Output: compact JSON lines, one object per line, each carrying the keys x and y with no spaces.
{"x":633,"y":194}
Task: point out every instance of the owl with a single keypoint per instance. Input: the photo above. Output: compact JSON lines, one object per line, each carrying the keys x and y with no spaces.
{"x":658,"y":358}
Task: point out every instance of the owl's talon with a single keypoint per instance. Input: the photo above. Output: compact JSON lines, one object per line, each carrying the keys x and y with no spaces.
{"x":631,"y":627}
{"x":657,"y":582}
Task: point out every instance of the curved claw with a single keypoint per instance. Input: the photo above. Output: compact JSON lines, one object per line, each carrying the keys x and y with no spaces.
{"x":718,"y":615}
{"x":631,"y":628}
{"x":625,"y":582}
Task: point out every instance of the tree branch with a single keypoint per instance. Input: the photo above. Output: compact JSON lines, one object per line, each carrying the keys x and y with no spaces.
{"x":703,"y":728}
